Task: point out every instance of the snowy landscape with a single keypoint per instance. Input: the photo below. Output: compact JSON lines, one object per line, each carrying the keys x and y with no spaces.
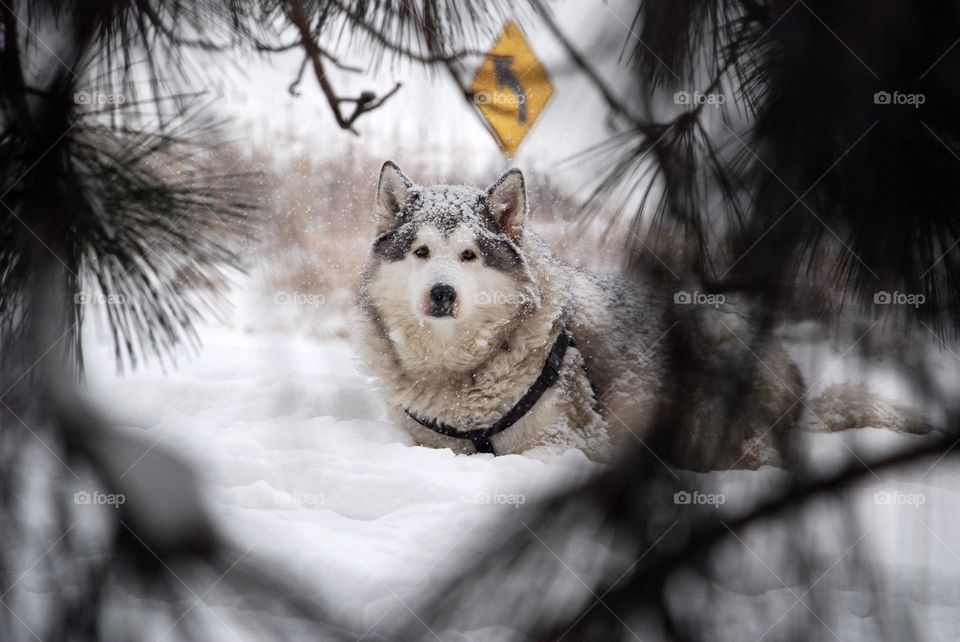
{"x":303,"y":468}
{"x":240,"y":347}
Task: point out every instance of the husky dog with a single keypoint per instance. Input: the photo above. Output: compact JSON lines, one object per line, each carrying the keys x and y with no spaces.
{"x":483,"y":340}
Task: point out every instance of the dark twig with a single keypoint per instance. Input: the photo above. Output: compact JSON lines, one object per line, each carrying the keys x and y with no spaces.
{"x":366,"y":102}
{"x":296,"y":81}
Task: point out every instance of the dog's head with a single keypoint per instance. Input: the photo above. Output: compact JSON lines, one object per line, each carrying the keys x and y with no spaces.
{"x":447,"y":262}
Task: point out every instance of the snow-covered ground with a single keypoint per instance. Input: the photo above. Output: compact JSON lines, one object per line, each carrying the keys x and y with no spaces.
{"x":302,"y":469}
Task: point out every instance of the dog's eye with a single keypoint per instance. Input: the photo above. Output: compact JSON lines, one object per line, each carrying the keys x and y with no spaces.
{"x":423,"y":251}
{"x":467,"y":255}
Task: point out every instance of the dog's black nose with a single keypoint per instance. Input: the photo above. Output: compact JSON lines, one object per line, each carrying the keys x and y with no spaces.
{"x":441,"y":300}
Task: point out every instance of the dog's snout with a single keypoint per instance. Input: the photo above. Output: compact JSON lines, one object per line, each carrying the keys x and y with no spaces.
{"x":442,"y":298}
{"x":443,"y":294}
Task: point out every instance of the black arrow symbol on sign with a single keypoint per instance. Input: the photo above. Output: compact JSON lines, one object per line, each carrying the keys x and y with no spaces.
{"x":506,"y":78}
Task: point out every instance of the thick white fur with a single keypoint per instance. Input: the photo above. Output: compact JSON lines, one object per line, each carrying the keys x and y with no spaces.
{"x":470,"y":370}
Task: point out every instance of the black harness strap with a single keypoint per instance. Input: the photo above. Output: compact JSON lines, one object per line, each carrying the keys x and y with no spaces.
{"x":481,"y":436}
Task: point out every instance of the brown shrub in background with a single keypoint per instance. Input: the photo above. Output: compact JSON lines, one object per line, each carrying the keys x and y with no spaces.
{"x":318,"y":219}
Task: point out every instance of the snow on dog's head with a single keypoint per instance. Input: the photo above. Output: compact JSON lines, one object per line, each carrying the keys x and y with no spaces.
{"x":446,"y":274}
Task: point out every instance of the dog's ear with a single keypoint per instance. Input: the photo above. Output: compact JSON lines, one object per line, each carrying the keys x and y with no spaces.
{"x":392,"y":192}
{"x":507,"y":202}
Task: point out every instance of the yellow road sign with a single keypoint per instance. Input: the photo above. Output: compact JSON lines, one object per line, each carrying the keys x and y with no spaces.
{"x":511,"y":88}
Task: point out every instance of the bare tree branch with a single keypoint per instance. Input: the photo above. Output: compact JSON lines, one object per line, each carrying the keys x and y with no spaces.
{"x":292,"y":89}
{"x":367,"y":101}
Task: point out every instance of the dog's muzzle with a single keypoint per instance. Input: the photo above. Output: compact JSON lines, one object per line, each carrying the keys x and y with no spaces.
{"x":442,"y":298}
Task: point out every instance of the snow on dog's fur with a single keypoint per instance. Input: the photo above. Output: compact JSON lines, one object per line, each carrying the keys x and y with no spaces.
{"x":460,"y":305}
